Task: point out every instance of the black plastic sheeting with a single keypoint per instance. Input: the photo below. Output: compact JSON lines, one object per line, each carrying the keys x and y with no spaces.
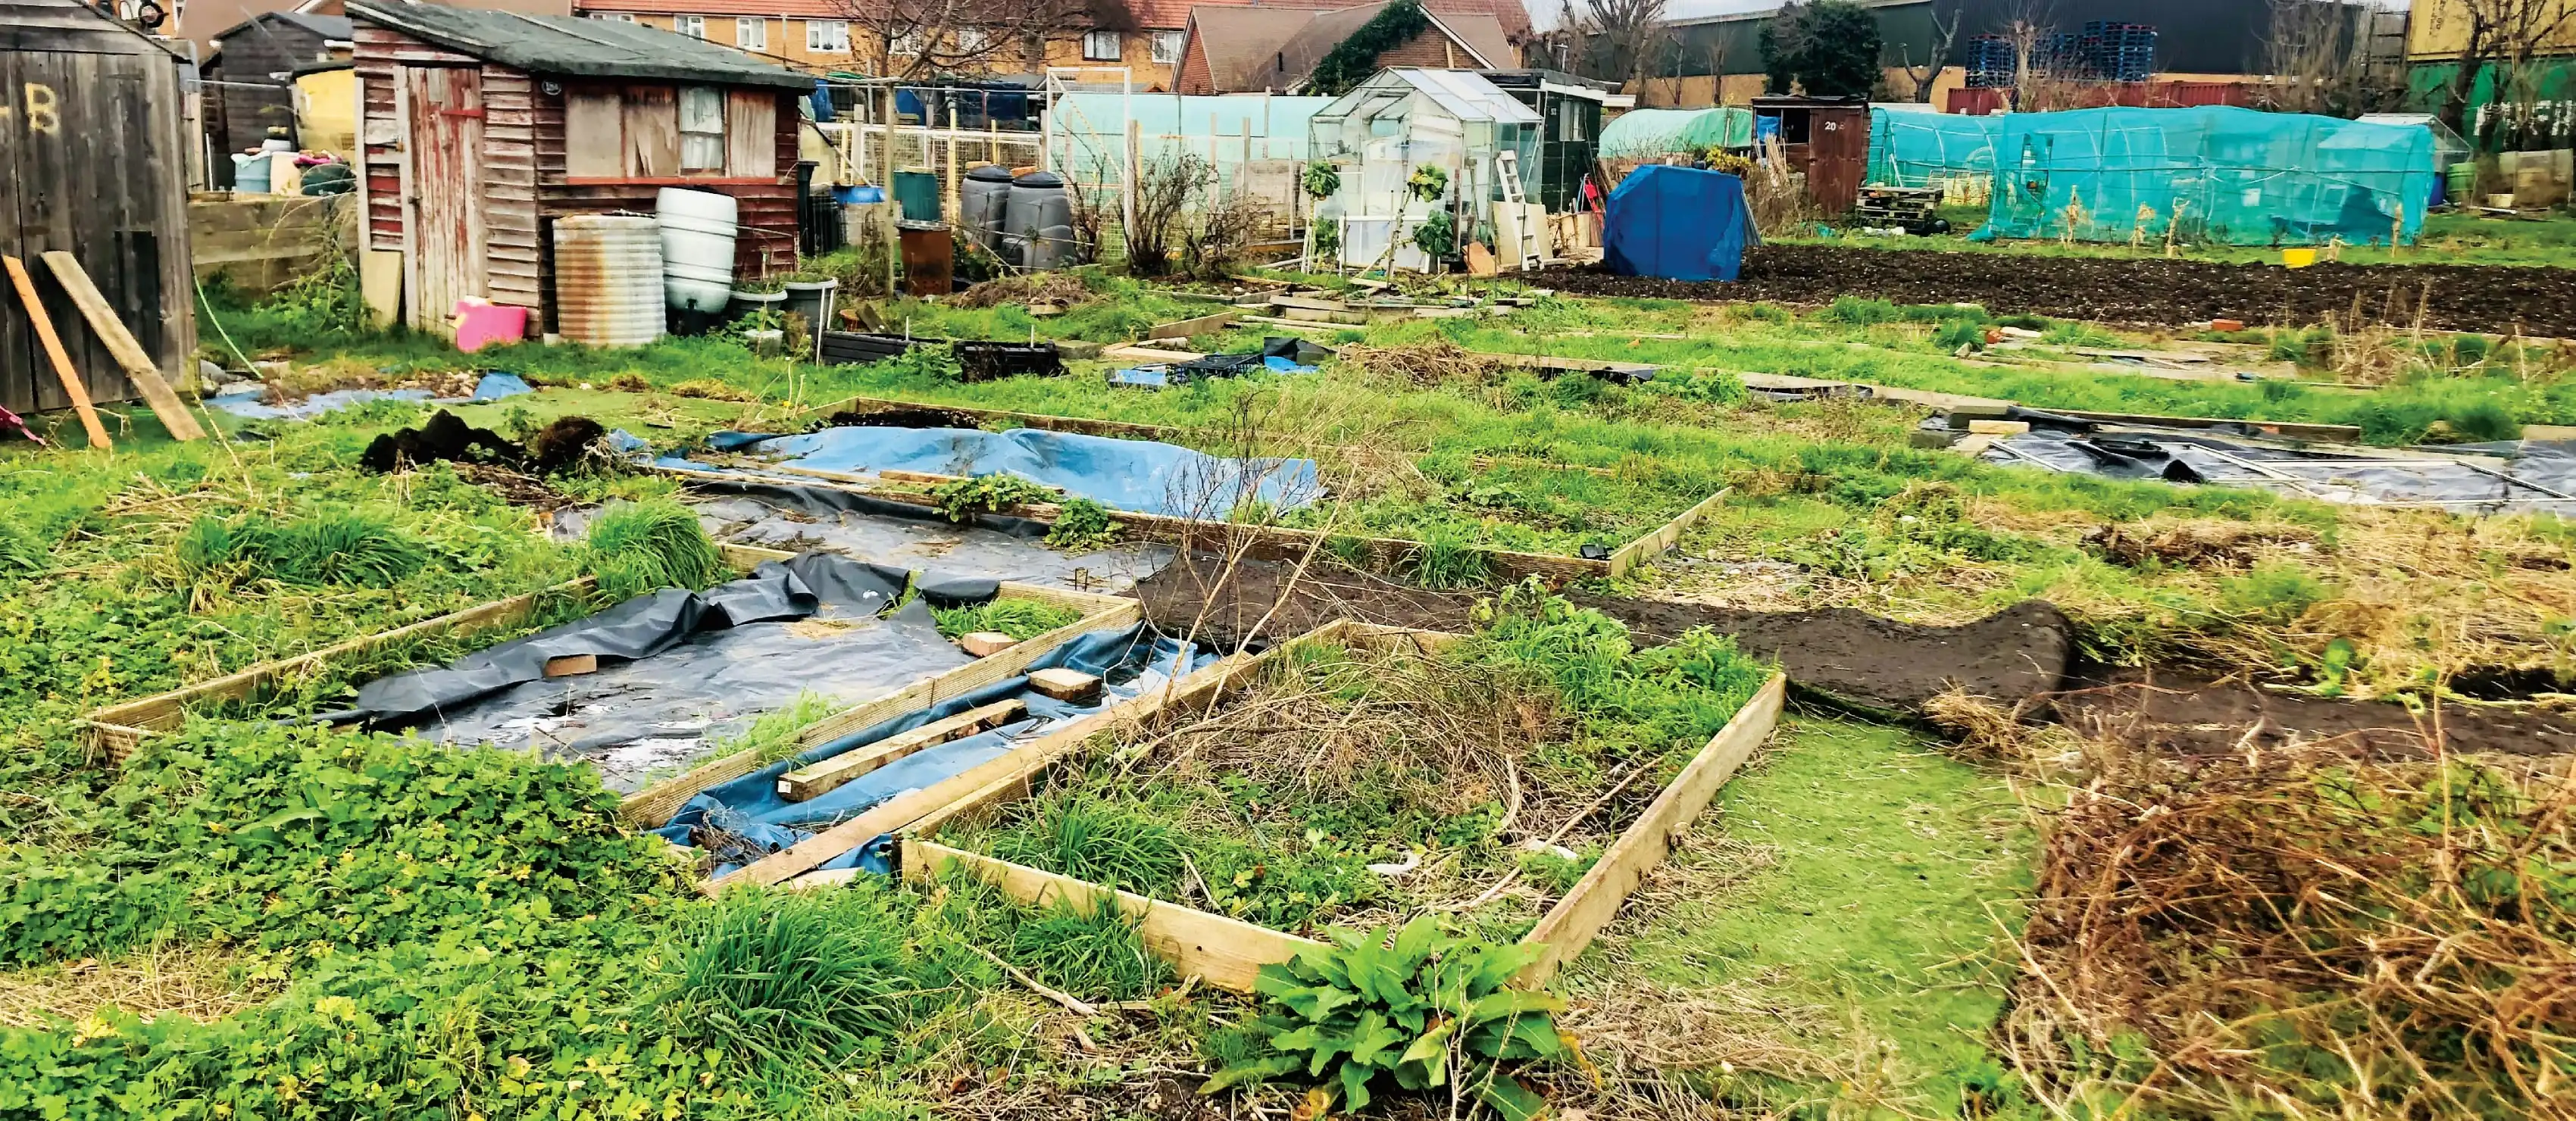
{"x":680,"y":671}
{"x":986,"y":546}
{"x":2520,"y":476}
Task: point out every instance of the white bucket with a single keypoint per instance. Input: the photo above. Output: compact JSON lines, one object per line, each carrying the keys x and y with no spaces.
{"x":697,"y":247}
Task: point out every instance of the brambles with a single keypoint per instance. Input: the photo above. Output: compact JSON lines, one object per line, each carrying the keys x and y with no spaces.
{"x":638,"y":548}
{"x":1411,"y":1009}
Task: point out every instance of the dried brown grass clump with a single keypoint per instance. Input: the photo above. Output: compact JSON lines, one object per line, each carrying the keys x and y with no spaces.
{"x":190,"y":980}
{"x":1025,"y":288}
{"x":1983,"y":731}
{"x":2306,"y":937}
{"x":2193,"y":542}
{"x":1429,"y":363}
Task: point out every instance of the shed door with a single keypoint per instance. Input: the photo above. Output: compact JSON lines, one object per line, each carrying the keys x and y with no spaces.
{"x":1838,"y":158}
{"x":446,"y":189}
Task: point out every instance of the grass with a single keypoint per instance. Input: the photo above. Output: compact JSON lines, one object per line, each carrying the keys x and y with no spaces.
{"x":638,"y":548}
{"x":2447,"y":239}
{"x":1838,"y":918}
{"x":1022,"y":619}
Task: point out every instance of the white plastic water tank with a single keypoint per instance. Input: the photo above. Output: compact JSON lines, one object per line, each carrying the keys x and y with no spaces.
{"x":697,"y":247}
{"x":608,"y":279}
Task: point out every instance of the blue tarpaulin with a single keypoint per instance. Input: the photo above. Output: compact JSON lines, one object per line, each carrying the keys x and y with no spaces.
{"x":1678,"y":223}
{"x":1129,"y":660}
{"x":1135,"y":475}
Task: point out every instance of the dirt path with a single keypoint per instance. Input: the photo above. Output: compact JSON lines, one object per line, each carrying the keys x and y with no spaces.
{"x":2179,"y":714}
{"x":2492,"y":298}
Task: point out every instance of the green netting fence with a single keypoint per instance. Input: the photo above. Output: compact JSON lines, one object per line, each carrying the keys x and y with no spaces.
{"x":1645,"y":134}
{"x":2214,"y":173}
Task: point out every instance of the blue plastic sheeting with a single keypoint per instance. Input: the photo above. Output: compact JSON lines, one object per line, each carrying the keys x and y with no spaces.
{"x":1678,"y":223}
{"x":2239,"y":176}
{"x":246,"y":402}
{"x":1128,"y":660}
{"x":1136,"y":475}
{"x":496,"y":386}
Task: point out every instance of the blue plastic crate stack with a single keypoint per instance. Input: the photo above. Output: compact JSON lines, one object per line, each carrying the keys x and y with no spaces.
{"x":2119,"y":52}
{"x":1990,"y":62}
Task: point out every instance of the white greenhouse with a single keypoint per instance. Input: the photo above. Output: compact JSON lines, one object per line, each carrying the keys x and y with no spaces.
{"x":1404,"y":119}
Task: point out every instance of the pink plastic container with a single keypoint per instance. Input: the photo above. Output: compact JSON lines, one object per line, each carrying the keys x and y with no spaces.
{"x":480,"y":323}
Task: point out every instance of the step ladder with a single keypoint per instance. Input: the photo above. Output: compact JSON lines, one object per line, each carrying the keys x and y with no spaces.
{"x":1507,"y":168}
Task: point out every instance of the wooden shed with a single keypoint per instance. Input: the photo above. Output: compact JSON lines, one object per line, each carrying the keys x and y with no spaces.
{"x":250,"y":81}
{"x":94,"y":147}
{"x":480,"y":128}
{"x":1826,"y":137}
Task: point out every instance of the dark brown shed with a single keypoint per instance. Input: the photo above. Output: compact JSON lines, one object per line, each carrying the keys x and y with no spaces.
{"x":478,"y":129}
{"x":93,"y":156}
{"x":1828,"y":138}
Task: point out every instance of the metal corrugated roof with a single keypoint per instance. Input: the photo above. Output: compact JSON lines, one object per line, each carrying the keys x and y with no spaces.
{"x":577,"y":47}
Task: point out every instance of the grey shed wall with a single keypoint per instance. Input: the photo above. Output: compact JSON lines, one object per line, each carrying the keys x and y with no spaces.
{"x":93,"y":161}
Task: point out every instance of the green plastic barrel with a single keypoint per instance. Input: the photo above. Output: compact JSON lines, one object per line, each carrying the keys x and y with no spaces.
{"x":917,"y":193}
{"x":2461,"y":182}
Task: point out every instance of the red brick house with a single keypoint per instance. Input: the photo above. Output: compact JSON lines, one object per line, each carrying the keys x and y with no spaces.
{"x":1273,"y":47}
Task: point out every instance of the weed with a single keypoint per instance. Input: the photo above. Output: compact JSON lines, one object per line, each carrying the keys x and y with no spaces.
{"x":996,"y":492}
{"x":348,"y":549}
{"x":790,"y":977}
{"x":638,"y":548}
{"x":1081,"y":526}
{"x":2273,"y":592}
{"x":1022,"y":619}
{"x":1091,"y":949}
{"x":1448,"y":560}
{"x":1964,"y":333}
{"x":1860,"y":311}
{"x":1090,"y":839}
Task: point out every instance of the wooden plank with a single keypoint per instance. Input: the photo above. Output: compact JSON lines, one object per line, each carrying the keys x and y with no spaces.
{"x":120,"y":342}
{"x":594,"y":132}
{"x":1222,"y":951}
{"x":1571,"y":925}
{"x":53,"y":344}
{"x":1187,"y":327}
{"x":831,"y":774}
{"x":652,"y":120}
{"x":1634,"y":554}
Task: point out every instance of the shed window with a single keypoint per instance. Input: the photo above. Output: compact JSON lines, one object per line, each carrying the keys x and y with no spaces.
{"x":1570,"y":120}
{"x":1100,"y":46}
{"x":702,"y":129}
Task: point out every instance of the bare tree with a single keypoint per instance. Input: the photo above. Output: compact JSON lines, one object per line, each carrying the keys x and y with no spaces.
{"x":1616,"y":40}
{"x":1945,"y":36}
{"x":936,"y":38}
{"x":2505,"y":34}
{"x":2320,"y":58}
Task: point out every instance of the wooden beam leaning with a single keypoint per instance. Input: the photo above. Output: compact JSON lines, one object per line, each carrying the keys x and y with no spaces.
{"x":53,"y":347}
{"x":1223,"y":951}
{"x":1571,"y":925}
{"x":120,"y":342}
{"x":807,"y":783}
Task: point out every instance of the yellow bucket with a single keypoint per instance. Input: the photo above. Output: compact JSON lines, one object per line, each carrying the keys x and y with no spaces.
{"x":2298,"y":258}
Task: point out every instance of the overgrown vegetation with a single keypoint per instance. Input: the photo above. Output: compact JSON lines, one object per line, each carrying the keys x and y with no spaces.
{"x":638,"y":548}
{"x":1022,"y":619}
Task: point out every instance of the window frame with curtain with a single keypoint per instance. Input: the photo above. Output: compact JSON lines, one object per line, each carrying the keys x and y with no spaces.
{"x":1091,"y":49}
{"x":702,"y":130}
{"x":839,"y":41}
{"x":757,"y":40}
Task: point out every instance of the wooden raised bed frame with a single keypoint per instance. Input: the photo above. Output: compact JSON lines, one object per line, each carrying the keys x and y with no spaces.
{"x":1229,"y":953}
{"x":117,"y":730}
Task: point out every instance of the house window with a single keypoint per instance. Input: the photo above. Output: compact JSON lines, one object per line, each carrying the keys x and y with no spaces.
{"x":1100,"y":46}
{"x":694,"y":27}
{"x":972,"y":42}
{"x":613,"y":17}
{"x":1167,"y":47}
{"x":702,"y":138}
{"x":751,"y":34}
{"x":905,"y":45}
{"x":827,"y":36}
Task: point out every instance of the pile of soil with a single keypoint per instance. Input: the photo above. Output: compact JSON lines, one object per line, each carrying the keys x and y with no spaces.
{"x":2170,"y":713}
{"x":1856,"y":658}
{"x":443,"y":437}
{"x":567,"y":443}
{"x":1038,"y":288}
{"x":2492,"y":298}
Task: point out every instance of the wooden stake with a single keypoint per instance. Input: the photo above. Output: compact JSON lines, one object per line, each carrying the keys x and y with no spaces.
{"x":72,"y":386}
{"x":120,"y":342}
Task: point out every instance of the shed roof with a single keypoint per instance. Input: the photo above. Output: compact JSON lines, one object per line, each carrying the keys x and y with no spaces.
{"x":577,"y":47}
{"x":328,"y":27}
